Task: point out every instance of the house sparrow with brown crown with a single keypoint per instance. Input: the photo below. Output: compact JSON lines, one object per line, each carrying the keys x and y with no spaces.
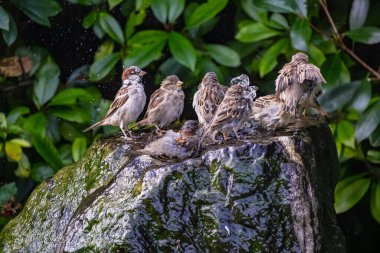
{"x":297,"y":86}
{"x":234,"y":110}
{"x":179,"y":145}
{"x":165,"y":105}
{"x":128,"y":104}
{"x":267,"y":113}
{"x":208,"y":97}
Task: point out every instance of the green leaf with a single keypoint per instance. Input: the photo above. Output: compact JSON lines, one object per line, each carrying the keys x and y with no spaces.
{"x":367,"y":35}
{"x":16,"y":113}
{"x":13,"y":151}
{"x":65,"y":154}
{"x":142,"y":55}
{"x":47,"y":150}
{"x":358,"y":14}
{"x":373,"y":156}
{"x":175,"y":9}
{"x":182,"y":50}
{"x":106,"y":48}
{"x":134,"y":20}
{"x":278,"y":21}
{"x":35,"y":124}
{"x":337,"y":97}
{"x":368,"y":122}
{"x":23,"y":169}
{"x":39,"y":11}
{"x":10,"y":35}
{"x":3,"y":126}
{"x":111,"y":27}
{"x":350,"y":191}
{"x":269,"y":60}
{"x":100,"y":68}
{"x":148,"y":37}
{"x":223,"y":55}
{"x":255,"y":32}
{"x":41,"y":171}
{"x":86,"y":2}
{"x":205,"y":12}
{"x":79,"y":148}
{"x":72,"y":96}
{"x":300,"y":34}
{"x":36,"y":54}
{"x":46,"y":83}
{"x":375,"y":201}
{"x":4,"y":19}
{"x":346,"y":133}
{"x":255,"y":12}
{"x":167,"y":10}
{"x":89,"y":19}
{"x":316,"y":55}
{"x":99,"y":32}
{"x":21,"y":142}
{"x":362,"y":96}
{"x":289,"y":6}
{"x":69,"y":132}
{"x":7,"y":191}
{"x":374,"y":138}
{"x":72,"y":114}
{"x":113,"y":3}
{"x":335,"y":71}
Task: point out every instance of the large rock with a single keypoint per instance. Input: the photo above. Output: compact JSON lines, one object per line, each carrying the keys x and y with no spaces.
{"x":267,"y":194}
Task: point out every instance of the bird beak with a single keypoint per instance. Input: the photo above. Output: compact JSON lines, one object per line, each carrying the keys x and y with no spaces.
{"x":179,"y":84}
{"x":142,"y":73}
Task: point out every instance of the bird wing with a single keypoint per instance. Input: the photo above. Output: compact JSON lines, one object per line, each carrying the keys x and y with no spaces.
{"x":284,"y":79}
{"x":310,"y":72}
{"x":155,"y":99}
{"x":120,"y":99}
{"x":208,"y":100}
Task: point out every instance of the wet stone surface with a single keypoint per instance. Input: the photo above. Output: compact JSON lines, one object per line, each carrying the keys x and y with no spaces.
{"x":265,"y":194}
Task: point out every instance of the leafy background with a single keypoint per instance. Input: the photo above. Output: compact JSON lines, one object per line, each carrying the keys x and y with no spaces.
{"x":60,"y":64}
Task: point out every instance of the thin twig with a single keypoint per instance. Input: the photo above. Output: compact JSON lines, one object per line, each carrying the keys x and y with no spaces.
{"x":341,"y":43}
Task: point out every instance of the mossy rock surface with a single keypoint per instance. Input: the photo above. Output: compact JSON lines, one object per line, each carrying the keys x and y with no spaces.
{"x":266,"y":194}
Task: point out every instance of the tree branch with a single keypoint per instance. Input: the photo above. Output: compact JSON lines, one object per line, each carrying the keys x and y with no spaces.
{"x":341,"y":44}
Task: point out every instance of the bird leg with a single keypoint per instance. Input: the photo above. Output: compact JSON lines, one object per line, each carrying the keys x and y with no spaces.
{"x":236,"y":134}
{"x":225,"y":136}
{"x":124,"y":132}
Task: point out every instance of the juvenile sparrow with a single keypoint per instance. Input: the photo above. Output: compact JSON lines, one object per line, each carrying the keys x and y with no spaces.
{"x":267,"y":113}
{"x":180,"y":145}
{"x":297,"y":85}
{"x":208,"y":97}
{"x":128,"y":104}
{"x":166,"y":104}
{"x":234,"y":110}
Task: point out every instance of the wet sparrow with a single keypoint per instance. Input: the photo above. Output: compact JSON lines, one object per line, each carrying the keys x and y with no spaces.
{"x":234,"y":110}
{"x":180,"y":145}
{"x":208,"y":97}
{"x":166,"y":104}
{"x":297,"y":85}
{"x":128,"y":104}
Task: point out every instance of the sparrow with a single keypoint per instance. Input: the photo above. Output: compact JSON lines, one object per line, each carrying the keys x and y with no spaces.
{"x":267,"y":113}
{"x":208,"y":97}
{"x":182,"y":144}
{"x":234,"y":110}
{"x":297,"y":86}
{"x":128,"y":104}
{"x":166,"y":104}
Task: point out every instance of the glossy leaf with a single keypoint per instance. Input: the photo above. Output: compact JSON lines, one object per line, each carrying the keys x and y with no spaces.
{"x":290,"y":6}
{"x":102,"y":67}
{"x":46,"y":83}
{"x":4,"y":19}
{"x":375,"y":201}
{"x":113,"y":3}
{"x":142,"y":55}
{"x":300,"y":34}
{"x":358,"y":13}
{"x":316,"y":55}
{"x":41,"y":171}
{"x":335,"y":71}
{"x":205,"y":12}
{"x":79,"y":148}
{"x":346,"y":133}
{"x":65,"y":154}
{"x":109,"y":24}
{"x":72,"y":114}
{"x":337,"y":97}
{"x":10,"y":35}
{"x":182,"y":50}
{"x":350,"y":191}
{"x":7,"y":191}
{"x":374,"y":138}
{"x":148,"y":36}
{"x":106,"y":48}
{"x":39,"y":11}
{"x":269,"y":60}
{"x":23,"y":168}
{"x":16,"y":113}
{"x":13,"y":151}
{"x":21,"y":142}
{"x":72,"y":96}
{"x":368,"y":122}
{"x":367,"y":35}
{"x":362,"y":96}
{"x":255,"y":12}
{"x":69,"y":132}
{"x":36,"y":124}
{"x":223,"y":55}
{"x":47,"y":150}
{"x":278,"y":21}
{"x":255,"y":32}
{"x":134,"y":20}
{"x":89,"y":19}
{"x":373,"y":156}
{"x":167,"y":11}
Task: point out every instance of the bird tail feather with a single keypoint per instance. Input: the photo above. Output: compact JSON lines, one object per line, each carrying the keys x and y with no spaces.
{"x":100,"y":123}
